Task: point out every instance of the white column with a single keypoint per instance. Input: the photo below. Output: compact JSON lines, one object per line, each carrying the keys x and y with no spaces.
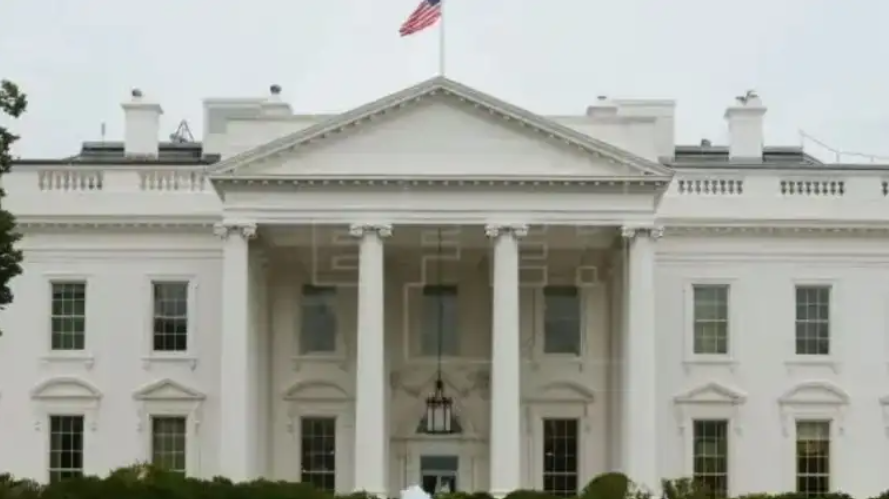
{"x":371,"y":431}
{"x":237,"y":433}
{"x":640,"y":417}
{"x":506,"y":409}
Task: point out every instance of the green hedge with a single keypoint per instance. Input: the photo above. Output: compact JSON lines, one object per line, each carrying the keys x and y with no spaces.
{"x":144,"y":482}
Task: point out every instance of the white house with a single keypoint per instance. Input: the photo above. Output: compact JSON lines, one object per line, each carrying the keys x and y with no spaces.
{"x":280,"y":299}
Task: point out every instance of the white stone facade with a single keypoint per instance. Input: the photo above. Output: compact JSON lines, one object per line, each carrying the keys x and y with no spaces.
{"x":724,"y":305}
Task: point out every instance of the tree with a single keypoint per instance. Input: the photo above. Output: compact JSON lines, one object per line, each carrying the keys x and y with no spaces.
{"x":12,"y":103}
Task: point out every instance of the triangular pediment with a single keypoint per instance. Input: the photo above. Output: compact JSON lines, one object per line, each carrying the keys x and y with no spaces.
{"x":439,"y":128}
{"x":563,"y":392}
{"x":711,"y":393}
{"x":167,"y":390}
{"x":815,"y":393}
{"x":316,"y":390}
{"x":65,"y":388}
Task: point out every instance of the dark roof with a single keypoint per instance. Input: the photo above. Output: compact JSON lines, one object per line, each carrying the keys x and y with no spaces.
{"x":712,"y":156}
{"x":169,"y":153}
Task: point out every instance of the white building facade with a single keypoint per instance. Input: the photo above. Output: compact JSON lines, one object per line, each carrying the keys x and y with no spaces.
{"x":279,"y":299}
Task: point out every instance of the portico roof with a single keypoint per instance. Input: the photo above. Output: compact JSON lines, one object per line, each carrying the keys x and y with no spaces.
{"x":633,"y":167}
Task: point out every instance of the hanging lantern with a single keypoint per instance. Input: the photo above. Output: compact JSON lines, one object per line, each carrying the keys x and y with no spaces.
{"x":439,"y":412}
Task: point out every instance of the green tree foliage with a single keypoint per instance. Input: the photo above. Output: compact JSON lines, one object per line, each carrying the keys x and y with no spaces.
{"x":12,"y":104}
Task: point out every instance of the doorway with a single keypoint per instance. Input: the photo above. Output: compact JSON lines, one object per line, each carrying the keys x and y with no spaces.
{"x":438,"y":473}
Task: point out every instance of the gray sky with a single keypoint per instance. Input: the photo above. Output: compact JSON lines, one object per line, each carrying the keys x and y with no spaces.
{"x":820,"y":65}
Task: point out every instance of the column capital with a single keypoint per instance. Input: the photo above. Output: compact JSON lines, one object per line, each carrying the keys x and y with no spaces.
{"x":246,"y":230}
{"x":653,"y":232}
{"x":496,"y":230}
{"x":364,"y":229}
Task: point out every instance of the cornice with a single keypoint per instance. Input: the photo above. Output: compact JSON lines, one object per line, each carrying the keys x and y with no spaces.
{"x":650,"y":182}
{"x":770,"y":228}
{"x":122,"y":223}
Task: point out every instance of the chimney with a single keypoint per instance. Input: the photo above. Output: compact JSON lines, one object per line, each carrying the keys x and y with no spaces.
{"x":274,"y":105}
{"x":603,"y":108}
{"x":141,"y":126}
{"x":745,"y":128}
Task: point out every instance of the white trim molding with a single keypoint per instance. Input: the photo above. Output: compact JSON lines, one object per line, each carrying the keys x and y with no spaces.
{"x":188,"y":357}
{"x":831,"y":360}
{"x":66,"y":395}
{"x":166,"y":397}
{"x":85,"y":356}
{"x":813,"y":400}
{"x":709,"y":401}
{"x":690,"y":358}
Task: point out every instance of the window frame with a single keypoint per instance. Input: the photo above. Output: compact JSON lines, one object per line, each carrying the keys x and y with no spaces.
{"x":340,"y":303}
{"x":834,"y":329}
{"x":83,"y":438}
{"x":587,"y":295}
{"x":733,"y":319}
{"x":334,"y":421}
{"x":85,"y":356}
{"x":541,"y":410}
{"x":190,"y":355}
{"x":578,"y":472}
{"x":169,"y":398}
{"x":152,"y":418}
{"x":831,"y":458}
{"x":297,"y":408}
{"x":728,"y":454}
{"x":419,"y":353}
{"x":582,"y":323}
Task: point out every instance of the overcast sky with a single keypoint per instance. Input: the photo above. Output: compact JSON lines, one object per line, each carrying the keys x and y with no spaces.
{"x":820,"y":65}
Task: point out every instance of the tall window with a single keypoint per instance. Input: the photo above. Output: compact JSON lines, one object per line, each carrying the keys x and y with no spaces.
{"x":68,"y":315}
{"x":440,"y":317}
{"x":170,"y":316}
{"x":560,"y":452}
{"x":711,"y":456}
{"x":711,"y":319}
{"x":813,"y":457}
{"x":318,"y":321}
{"x":561,"y":320}
{"x":318,"y":452}
{"x":65,"y":447}
{"x":813,"y":320}
{"x":168,"y":442}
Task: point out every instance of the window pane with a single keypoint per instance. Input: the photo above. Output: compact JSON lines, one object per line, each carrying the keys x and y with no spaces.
{"x":813,"y":320}
{"x":440,"y":321}
{"x":168,"y":439}
{"x":68,"y":316}
{"x":561,"y":320}
{"x":813,"y":457}
{"x":560,"y":457}
{"x":170,"y":316}
{"x":710,"y":456}
{"x":318,"y":320}
{"x":65,"y":447}
{"x":318,"y":452}
{"x":711,"y":319}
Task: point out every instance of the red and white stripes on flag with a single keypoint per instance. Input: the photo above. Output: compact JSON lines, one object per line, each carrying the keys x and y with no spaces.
{"x":426,"y":14}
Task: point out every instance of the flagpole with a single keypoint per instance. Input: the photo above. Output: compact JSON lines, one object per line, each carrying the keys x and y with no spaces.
{"x":441,"y":39}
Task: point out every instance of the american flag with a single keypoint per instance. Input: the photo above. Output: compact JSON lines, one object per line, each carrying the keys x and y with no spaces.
{"x":425,"y":15}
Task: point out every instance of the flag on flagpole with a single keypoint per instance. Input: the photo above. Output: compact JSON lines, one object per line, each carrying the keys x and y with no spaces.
{"x":426,"y":14}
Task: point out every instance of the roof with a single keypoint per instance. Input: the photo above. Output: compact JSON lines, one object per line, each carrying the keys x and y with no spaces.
{"x":442,"y":86}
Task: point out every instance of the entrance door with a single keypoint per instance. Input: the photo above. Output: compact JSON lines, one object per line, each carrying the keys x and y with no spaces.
{"x":439,"y":473}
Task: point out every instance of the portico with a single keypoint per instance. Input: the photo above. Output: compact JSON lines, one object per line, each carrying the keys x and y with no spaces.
{"x":330,"y":207}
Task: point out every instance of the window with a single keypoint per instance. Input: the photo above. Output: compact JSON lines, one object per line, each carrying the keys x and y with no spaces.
{"x":711,"y":456}
{"x":170,"y":316}
{"x":65,"y":447}
{"x":438,"y":474}
{"x":168,"y":442}
{"x":560,"y":454}
{"x":440,"y":321}
{"x":813,"y":457}
{"x":561,"y":320}
{"x":68,"y":315}
{"x":318,"y":327}
{"x":318,"y":452}
{"x":813,"y":320}
{"x":711,"y":327}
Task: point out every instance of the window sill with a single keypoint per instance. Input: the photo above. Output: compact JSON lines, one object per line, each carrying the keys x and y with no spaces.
{"x":710,"y":361}
{"x":814,"y":361}
{"x":338,"y":359}
{"x":70,"y":357}
{"x":170,"y":358}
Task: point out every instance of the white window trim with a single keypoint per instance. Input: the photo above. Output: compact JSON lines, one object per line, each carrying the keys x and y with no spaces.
{"x":190,"y":356}
{"x":790,"y":452}
{"x":335,"y":403}
{"x":343,"y":300}
{"x":166,"y":397}
{"x":712,"y":401}
{"x":583,"y":295}
{"x":67,"y":396}
{"x":86,"y":356}
{"x":580,"y":405}
{"x":691,"y":358}
{"x":411,"y":338}
{"x":830,"y":361}
{"x":813,"y":400}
